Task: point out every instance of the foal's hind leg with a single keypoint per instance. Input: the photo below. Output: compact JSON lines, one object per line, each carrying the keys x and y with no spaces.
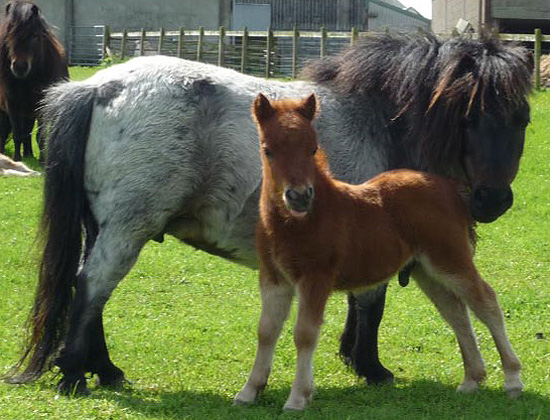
{"x":481,"y":298}
{"x":276,"y":302}
{"x":454,"y":311}
{"x":113,"y":254}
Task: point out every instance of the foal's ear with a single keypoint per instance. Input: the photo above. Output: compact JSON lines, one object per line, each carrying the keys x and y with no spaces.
{"x":8,"y":7}
{"x":261,"y":108}
{"x":308,"y":107}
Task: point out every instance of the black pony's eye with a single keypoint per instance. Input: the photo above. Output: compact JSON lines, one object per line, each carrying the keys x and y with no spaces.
{"x":314,"y":151}
{"x":267,"y":152}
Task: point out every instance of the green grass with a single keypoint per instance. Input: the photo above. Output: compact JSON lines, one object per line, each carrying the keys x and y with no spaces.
{"x":182,"y":326}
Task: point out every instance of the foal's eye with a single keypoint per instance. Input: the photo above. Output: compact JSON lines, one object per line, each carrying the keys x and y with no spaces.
{"x":313,"y":151}
{"x":267,"y":152}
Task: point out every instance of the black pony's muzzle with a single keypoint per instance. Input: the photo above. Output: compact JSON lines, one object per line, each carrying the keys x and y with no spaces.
{"x":20,"y":68}
{"x":489,"y":203}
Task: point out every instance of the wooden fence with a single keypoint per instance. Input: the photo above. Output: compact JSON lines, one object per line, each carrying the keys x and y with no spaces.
{"x":264,"y":53}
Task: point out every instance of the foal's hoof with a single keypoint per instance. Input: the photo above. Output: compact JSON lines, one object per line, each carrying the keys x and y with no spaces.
{"x":514,"y":391}
{"x":73,"y":387}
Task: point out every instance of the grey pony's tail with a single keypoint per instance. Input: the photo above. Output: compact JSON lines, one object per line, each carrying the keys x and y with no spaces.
{"x":66,"y":112}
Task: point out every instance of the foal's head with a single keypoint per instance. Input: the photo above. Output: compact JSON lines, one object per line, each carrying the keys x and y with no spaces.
{"x":288,"y":146}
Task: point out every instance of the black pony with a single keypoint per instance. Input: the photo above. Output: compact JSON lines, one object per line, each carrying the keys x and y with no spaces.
{"x":459,"y":108}
{"x":456,"y":107}
{"x":31,"y":58}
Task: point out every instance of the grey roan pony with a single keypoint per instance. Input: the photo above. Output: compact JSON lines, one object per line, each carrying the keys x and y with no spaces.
{"x":161,"y":145}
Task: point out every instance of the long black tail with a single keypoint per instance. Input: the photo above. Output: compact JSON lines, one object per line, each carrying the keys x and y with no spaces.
{"x":67,"y":112}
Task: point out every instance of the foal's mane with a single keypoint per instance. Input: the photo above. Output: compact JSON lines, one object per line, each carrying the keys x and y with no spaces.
{"x":433,"y":85}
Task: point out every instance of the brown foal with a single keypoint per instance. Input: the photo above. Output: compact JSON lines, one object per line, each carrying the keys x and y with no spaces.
{"x":317,"y":235}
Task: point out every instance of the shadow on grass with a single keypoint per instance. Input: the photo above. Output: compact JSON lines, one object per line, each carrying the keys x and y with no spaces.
{"x":417,"y":399}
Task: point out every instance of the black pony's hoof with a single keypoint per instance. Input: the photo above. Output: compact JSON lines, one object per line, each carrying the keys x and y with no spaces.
{"x":381,"y":376}
{"x":73,"y":386}
{"x":115,"y":379}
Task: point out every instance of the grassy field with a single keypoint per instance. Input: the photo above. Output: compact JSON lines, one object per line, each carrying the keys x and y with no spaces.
{"x":182,"y":326}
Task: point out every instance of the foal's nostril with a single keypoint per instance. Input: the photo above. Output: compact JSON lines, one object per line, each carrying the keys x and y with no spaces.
{"x":292,"y":195}
{"x":309,"y":192}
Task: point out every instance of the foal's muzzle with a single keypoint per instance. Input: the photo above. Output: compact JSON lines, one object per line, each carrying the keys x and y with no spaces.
{"x":298,"y":200}
{"x":489,"y":203}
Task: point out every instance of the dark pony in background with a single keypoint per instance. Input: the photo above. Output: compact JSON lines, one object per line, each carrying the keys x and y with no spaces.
{"x":31,"y":59}
{"x":455,"y":107}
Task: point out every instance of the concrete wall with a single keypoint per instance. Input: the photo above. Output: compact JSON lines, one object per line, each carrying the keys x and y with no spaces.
{"x":446,"y":13}
{"x":135,"y":14}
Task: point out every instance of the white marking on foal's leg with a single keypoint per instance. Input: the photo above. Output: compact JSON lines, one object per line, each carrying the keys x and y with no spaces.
{"x":276,"y":302}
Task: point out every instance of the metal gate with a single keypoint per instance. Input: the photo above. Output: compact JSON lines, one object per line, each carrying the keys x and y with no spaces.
{"x":87,"y":45}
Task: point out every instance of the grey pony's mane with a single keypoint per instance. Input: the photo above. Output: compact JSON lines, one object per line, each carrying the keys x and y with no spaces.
{"x":434,"y":85}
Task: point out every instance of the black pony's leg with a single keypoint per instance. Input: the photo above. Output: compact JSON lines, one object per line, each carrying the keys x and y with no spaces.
{"x":360,"y":348}
{"x":347,"y":340}
{"x":27,"y":137}
{"x":41,"y":141}
{"x":5,"y":130}
{"x":22,"y":128}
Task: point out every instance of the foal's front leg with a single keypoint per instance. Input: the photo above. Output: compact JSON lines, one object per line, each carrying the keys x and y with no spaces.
{"x":276,"y":302}
{"x":313,"y":296}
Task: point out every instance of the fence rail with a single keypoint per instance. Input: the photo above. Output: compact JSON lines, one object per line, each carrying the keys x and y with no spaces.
{"x":263,"y":53}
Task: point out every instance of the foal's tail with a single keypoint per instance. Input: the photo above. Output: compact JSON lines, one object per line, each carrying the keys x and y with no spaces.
{"x":67,"y":112}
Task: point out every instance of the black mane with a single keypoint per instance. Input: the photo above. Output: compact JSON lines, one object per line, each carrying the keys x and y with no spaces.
{"x":434,"y":85}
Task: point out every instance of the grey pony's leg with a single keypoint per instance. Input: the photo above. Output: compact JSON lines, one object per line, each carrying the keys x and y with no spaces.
{"x":112,"y":256}
{"x":359,"y":342}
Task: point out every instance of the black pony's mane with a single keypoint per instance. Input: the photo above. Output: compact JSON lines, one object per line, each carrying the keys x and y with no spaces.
{"x":433,"y":85}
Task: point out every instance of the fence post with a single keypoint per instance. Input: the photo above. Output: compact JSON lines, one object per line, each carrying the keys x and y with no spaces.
{"x":221,"y":46}
{"x":161,"y":40}
{"x":354,"y":35}
{"x":199,"y":43}
{"x":323,"y":41}
{"x":142,"y":43}
{"x":244,"y":52}
{"x":295,"y":35}
{"x":106,"y":41}
{"x":538,"y":49}
{"x":269,"y":42}
{"x":181,"y":40}
{"x":123,"y":43}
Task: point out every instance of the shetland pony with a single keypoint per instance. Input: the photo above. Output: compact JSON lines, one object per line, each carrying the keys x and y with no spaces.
{"x":317,"y":235}
{"x":31,"y":58}
{"x":456,"y":106}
